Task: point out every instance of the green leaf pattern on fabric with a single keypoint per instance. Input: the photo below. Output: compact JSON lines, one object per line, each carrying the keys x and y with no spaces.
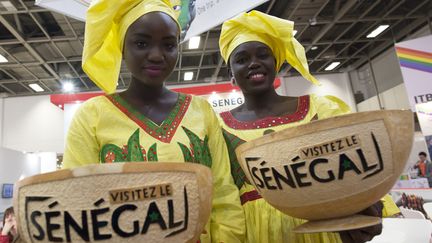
{"x":133,"y":151}
{"x":237,"y":172}
{"x":199,"y":151}
{"x":111,"y":153}
{"x":186,"y":153}
{"x":152,"y":153}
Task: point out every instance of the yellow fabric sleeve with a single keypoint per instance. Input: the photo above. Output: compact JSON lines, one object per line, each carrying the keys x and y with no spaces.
{"x":227,"y":222}
{"x":81,"y":144}
{"x":390,"y":207}
{"x":329,"y":106}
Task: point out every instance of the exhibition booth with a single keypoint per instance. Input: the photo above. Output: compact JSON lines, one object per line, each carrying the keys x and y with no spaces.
{"x":34,"y":128}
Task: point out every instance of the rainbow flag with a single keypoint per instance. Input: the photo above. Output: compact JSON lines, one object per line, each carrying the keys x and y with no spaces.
{"x":413,"y":59}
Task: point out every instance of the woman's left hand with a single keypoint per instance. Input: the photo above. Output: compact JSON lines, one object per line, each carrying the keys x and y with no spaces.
{"x":368,"y":233}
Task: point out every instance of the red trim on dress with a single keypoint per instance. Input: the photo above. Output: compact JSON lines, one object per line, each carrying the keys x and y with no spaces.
{"x":300,"y":114}
{"x":249,"y":196}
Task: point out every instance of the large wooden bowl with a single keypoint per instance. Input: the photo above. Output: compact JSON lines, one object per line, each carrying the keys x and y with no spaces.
{"x":330,"y":168}
{"x":121,"y":202}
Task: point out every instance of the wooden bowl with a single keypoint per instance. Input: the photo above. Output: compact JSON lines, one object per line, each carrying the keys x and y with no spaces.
{"x":121,"y":202}
{"x":330,"y":168}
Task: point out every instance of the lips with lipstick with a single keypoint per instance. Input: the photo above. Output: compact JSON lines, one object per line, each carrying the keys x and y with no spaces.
{"x":153,"y":70}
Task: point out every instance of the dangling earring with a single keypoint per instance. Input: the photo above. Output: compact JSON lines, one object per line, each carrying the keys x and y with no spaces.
{"x":233,"y":82}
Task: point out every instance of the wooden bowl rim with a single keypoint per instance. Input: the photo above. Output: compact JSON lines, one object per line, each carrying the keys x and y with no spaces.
{"x":325,"y":124}
{"x":113,"y":168}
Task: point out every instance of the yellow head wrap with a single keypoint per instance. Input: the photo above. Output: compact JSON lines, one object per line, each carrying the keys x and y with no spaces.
{"x":106,"y":24}
{"x":276,"y":33}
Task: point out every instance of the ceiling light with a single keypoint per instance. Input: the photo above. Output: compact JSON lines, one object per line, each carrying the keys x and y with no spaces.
{"x":332,"y":66}
{"x":3,"y":59}
{"x":188,"y":76}
{"x":313,"y":48}
{"x":68,"y":87}
{"x":36,"y":87}
{"x":194,"y":42}
{"x":294,"y":32}
{"x":312,"y":21}
{"x":8,"y":5}
{"x":377,"y":31}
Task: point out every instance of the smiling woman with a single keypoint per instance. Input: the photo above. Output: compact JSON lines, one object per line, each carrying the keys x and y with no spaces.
{"x":148,"y":122}
{"x":255,"y":45}
{"x":257,"y":77}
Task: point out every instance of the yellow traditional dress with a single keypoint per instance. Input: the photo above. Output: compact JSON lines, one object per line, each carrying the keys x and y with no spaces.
{"x":264,"y":223}
{"x":107,"y":129}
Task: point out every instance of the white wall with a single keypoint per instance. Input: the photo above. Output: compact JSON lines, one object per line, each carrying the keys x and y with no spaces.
{"x":331,"y":84}
{"x":395,"y":98}
{"x":48,"y":161}
{"x":387,"y":74}
{"x":13,"y":166}
{"x":32,"y":124}
{"x":387,"y":70}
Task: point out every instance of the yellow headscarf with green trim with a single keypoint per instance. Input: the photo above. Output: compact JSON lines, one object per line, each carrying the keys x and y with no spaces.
{"x":276,"y":33}
{"x":106,"y":24}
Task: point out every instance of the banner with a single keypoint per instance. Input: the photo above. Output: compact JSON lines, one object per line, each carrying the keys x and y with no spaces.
{"x":415,"y":58}
{"x":424,"y":114}
{"x":210,"y":13}
{"x":194,"y":16}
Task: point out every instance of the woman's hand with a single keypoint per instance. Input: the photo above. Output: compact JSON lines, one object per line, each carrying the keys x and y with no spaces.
{"x":368,"y":233}
{"x":9,"y":226}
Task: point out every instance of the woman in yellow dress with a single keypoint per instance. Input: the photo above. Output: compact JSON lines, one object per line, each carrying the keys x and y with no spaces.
{"x":148,"y":122}
{"x":255,"y":45}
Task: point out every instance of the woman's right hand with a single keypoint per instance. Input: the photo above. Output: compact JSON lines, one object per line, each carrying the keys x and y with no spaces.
{"x":10,"y":225}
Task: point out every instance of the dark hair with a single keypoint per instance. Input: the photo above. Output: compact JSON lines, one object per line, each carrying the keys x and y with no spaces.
{"x":422,"y":153}
{"x":8,"y":212}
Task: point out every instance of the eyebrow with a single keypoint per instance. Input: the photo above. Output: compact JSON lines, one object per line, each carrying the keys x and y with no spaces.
{"x":170,"y":38}
{"x":150,"y":36}
{"x":240,"y":53}
{"x":142,"y":35}
{"x":265,"y":48}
